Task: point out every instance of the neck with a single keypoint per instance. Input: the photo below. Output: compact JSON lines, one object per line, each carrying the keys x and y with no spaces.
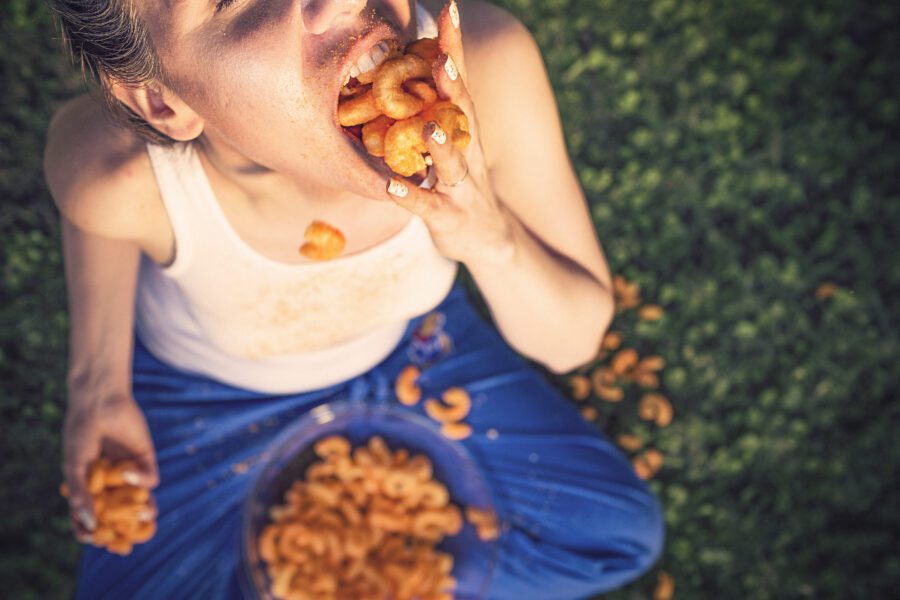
{"x":262,"y":186}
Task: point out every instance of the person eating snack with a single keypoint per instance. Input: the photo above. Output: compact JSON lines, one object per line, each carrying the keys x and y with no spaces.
{"x":236,"y":257}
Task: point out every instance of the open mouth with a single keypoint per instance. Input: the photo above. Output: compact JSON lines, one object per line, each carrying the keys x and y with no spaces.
{"x":385,"y":101}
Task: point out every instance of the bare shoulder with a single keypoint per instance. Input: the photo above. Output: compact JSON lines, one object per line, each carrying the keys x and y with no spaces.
{"x":98,"y":172}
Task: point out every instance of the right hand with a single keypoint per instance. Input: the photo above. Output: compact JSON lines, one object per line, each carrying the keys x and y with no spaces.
{"x":115,"y":428}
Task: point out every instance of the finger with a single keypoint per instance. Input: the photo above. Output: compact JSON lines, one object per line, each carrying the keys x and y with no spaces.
{"x":414,"y":199}
{"x":450,"y":85}
{"x":134,"y":472}
{"x":147,"y":473}
{"x":455,"y":91}
{"x":449,"y":163}
{"x":450,"y":36}
{"x":81,"y":503}
{"x":150,"y":512}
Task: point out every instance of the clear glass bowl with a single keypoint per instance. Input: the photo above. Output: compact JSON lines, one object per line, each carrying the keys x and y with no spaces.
{"x":358,"y":420}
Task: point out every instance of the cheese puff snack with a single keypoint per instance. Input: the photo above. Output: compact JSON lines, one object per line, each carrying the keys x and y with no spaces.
{"x":323,"y":242}
{"x":451,"y":412}
{"x":125,"y":514}
{"x":363,"y":524}
{"x":387,"y":107}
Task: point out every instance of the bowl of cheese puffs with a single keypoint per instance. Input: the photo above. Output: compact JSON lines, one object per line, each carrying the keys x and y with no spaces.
{"x":365,"y":501}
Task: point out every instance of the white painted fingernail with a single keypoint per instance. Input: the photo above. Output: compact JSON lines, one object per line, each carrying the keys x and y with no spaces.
{"x":454,"y":14}
{"x":145,"y":515}
{"x":87,"y":519}
{"x":428,"y":160}
{"x":450,"y":67}
{"x":438,"y":134}
{"x":131,"y":478}
{"x":397,"y":188}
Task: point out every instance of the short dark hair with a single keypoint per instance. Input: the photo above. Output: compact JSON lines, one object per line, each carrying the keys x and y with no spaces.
{"x":107,"y":39}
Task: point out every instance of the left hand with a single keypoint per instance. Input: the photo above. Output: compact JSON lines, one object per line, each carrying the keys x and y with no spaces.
{"x":462,"y":213}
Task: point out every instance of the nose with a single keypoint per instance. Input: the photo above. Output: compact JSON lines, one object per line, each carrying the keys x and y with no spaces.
{"x":321,"y":15}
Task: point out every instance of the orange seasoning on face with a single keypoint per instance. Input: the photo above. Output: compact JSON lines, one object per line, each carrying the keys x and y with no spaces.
{"x":322,"y":241}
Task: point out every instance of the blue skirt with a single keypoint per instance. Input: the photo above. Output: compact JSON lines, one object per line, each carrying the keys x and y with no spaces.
{"x":579,"y":522}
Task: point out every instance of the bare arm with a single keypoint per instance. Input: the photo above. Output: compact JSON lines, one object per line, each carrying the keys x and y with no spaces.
{"x":101,"y":227}
{"x":552,"y":297}
{"x":101,"y":276}
{"x":517,"y":218}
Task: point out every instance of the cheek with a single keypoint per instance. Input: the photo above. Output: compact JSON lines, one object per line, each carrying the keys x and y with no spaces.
{"x":234,"y":64}
{"x":256,"y":79}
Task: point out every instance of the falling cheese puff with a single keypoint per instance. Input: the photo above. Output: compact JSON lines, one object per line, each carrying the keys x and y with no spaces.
{"x":656,"y":407}
{"x":650,"y":312}
{"x":589,"y":413}
{"x":665,"y":587}
{"x":581,"y":386}
{"x":405,"y":388}
{"x":323,"y":242}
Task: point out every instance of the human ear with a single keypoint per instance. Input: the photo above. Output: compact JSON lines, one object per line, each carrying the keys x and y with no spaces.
{"x":161,"y":108}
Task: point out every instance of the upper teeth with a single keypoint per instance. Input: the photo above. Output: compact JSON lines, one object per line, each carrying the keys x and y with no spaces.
{"x":368,"y":61}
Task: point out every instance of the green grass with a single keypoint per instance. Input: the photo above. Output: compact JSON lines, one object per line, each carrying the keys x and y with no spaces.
{"x":735,"y":155}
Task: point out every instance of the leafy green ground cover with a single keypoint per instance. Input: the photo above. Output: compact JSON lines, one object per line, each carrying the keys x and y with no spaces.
{"x":736,"y":155}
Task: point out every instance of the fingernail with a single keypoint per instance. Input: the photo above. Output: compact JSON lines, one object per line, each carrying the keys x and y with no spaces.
{"x":428,"y":160}
{"x":145,"y":515}
{"x":87,"y":519}
{"x":397,"y":188}
{"x":450,"y":67}
{"x":131,"y":478}
{"x":454,"y":14}
{"x":437,"y":134}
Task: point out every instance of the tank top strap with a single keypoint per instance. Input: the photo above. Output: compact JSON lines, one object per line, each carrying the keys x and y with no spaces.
{"x":184,"y":194}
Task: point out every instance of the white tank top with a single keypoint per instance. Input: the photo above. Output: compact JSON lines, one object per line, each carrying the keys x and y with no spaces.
{"x":223,"y":310}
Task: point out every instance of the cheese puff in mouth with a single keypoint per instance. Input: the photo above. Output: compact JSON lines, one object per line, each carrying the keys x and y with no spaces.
{"x":385,"y":109}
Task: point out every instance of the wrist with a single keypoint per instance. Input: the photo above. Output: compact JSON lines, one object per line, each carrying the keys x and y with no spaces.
{"x":501,"y":250}
{"x":96,"y":387}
